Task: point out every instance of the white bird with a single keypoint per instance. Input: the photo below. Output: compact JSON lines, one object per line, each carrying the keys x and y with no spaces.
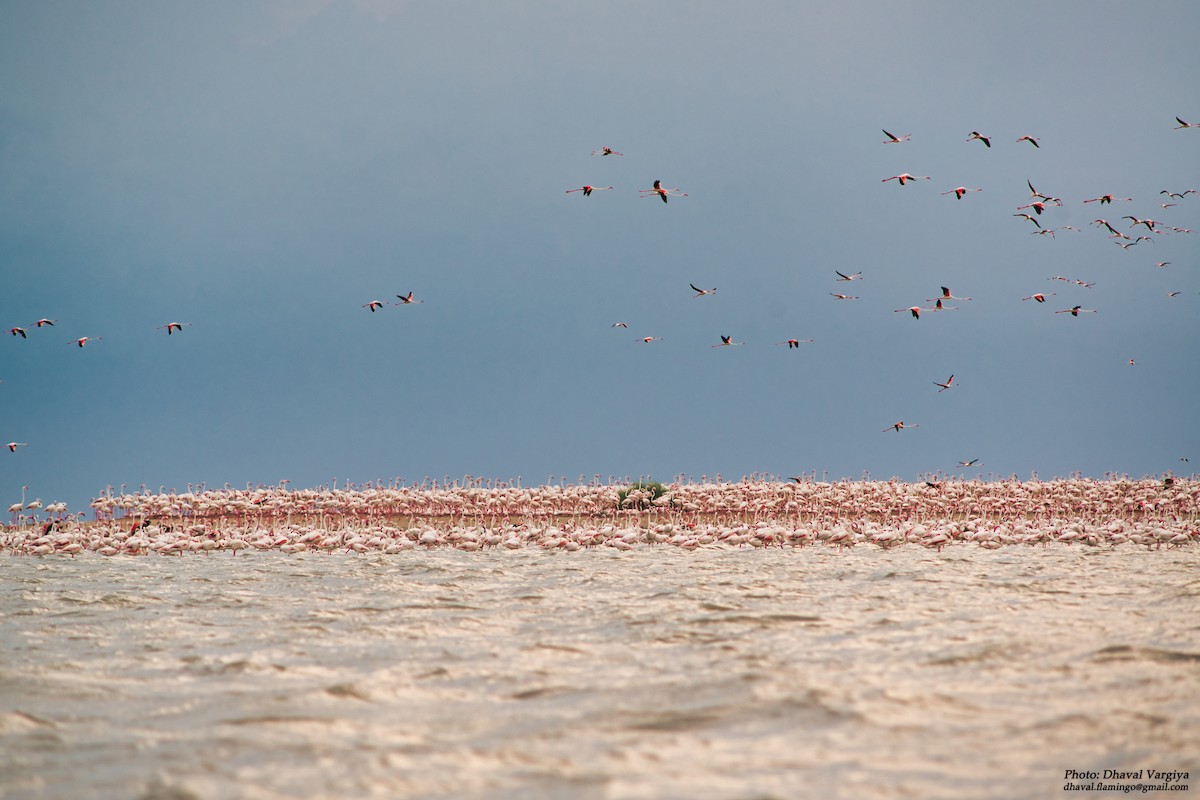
{"x":844,"y":277}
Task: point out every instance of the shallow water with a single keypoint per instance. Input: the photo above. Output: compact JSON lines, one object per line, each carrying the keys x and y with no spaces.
{"x":654,"y":673}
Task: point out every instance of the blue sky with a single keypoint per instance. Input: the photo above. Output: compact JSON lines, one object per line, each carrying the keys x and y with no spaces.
{"x":261,"y":170}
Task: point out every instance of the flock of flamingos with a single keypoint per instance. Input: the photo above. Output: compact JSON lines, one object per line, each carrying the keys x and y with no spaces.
{"x":760,"y":511}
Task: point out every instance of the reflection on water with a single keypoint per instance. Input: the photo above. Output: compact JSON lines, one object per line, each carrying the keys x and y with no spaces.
{"x":653,"y":673}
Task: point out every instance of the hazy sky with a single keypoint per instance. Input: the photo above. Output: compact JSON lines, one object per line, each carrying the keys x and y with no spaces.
{"x":263,"y":169}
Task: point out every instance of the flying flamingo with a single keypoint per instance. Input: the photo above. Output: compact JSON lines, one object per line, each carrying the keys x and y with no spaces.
{"x":374,"y":305}
{"x":407,"y":299}
{"x":1149,"y":223}
{"x":1174,"y":294}
{"x":727,"y":341}
{"x":899,"y":426}
{"x":1106,"y":198}
{"x":1178,"y":195}
{"x":792,"y":343}
{"x":1041,"y":298}
{"x":701,"y":292}
{"x":1033,"y":140}
{"x":949,"y":384}
{"x":85,"y":339}
{"x":1031,"y":219}
{"x":844,"y":277}
{"x":649,"y":339}
{"x":18,"y":332}
{"x":178,"y":326}
{"x":1076,"y":311}
{"x":939,"y":307}
{"x":904,"y":177}
{"x":843,"y":296}
{"x":1105,"y":223}
{"x":987,"y":140}
{"x":1161,"y":263}
{"x":587,"y":190}
{"x":948,"y":295}
{"x":606,"y":151}
{"x":661,"y":191}
{"x":1183,"y":124}
{"x":1037,"y":205}
{"x":12,"y":446}
{"x":620,"y":325}
{"x":960,"y":191}
{"x":44,"y":321}
{"x":896,"y":139}
{"x":914,"y":310}
{"x":970,"y":463}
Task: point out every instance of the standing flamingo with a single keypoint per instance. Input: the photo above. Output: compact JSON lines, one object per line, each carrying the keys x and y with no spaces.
{"x":661,"y":191}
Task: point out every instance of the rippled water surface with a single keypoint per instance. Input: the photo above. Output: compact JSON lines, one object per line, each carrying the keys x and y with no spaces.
{"x":654,"y":673}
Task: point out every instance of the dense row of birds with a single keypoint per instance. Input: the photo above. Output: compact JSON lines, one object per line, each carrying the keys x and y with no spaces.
{"x":470,"y":515}
{"x":1038,"y":203}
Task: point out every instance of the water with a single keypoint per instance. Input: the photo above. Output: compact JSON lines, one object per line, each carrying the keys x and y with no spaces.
{"x":654,"y":673}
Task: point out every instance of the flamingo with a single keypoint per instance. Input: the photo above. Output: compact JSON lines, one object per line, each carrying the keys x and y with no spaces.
{"x":1161,"y":263}
{"x":1037,"y":205}
{"x":620,"y":325}
{"x":12,"y":446}
{"x":844,"y":277}
{"x":649,"y":339}
{"x":1174,"y":294}
{"x":1041,"y":298}
{"x":1183,"y":124}
{"x":727,"y":341}
{"x":960,"y":191}
{"x":702,"y":292}
{"x":44,"y":321}
{"x":1034,"y":192}
{"x":18,"y":332}
{"x":85,"y":339}
{"x":1033,"y":140}
{"x":948,"y":295}
{"x":899,"y":426}
{"x":837,"y":296}
{"x":914,"y":310}
{"x":939,"y":307}
{"x":178,"y":326}
{"x":407,"y":299}
{"x":1106,"y":198}
{"x":970,"y":463}
{"x":896,"y":139}
{"x":949,"y":384}
{"x":904,"y":177}
{"x":1178,"y":195}
{"x":1127,"y":245}
{"x":33,"y":505}
{"x":987,"y":140}
{"x":1075,"y":311}
{"x":1149,"y":223}
{"x":587,"y":190}
{"x":662,"y":192}
{"x":17,"y":508}
{"x":374,"y":305}
{"x":1105,"y":223}
{"x":793,"y":343}
{"x":1031,"y":219}
{"x":606,"y":151}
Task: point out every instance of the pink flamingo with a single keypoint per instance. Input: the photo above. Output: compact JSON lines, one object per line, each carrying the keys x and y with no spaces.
{"x":844,"y":277}
{"x":18,"y":332}
{"x":960,"y":191}
{"x":1076,"y":311}
{"x":374,"y":305}
{"x":1041,"y":298}
{"x":1183,"y":124}
{"x":407,"y":299}
{"x":791,"y":343}
{"x":606,"y":151}
{"x":661,"y":191}
{"x":1033,"y":140}
{"x":987,"y":140}
{"x":620,"y":325}
{"x":905,"y":177}
{"x":949,"y":384}
{"x":1105,"y":223}
{"x":896,"y":139}
{"x":1031,"y":219}
{"x":727,"y":341}
{"x":649,"y":339}
{"x":587,"y":190}
{"x":948,"y":295}
{"x":899,"y":426}
{"x":1106,"y":198}
{"x":970,"y":463}
{"x":178,"y":326}
{"x":12,"y":446}
{"x":44,"y":321}
{"x":914,"y":310}
{"x":837,"y":296}
{"x":702,"y":292}
{"x":85,"y":339}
